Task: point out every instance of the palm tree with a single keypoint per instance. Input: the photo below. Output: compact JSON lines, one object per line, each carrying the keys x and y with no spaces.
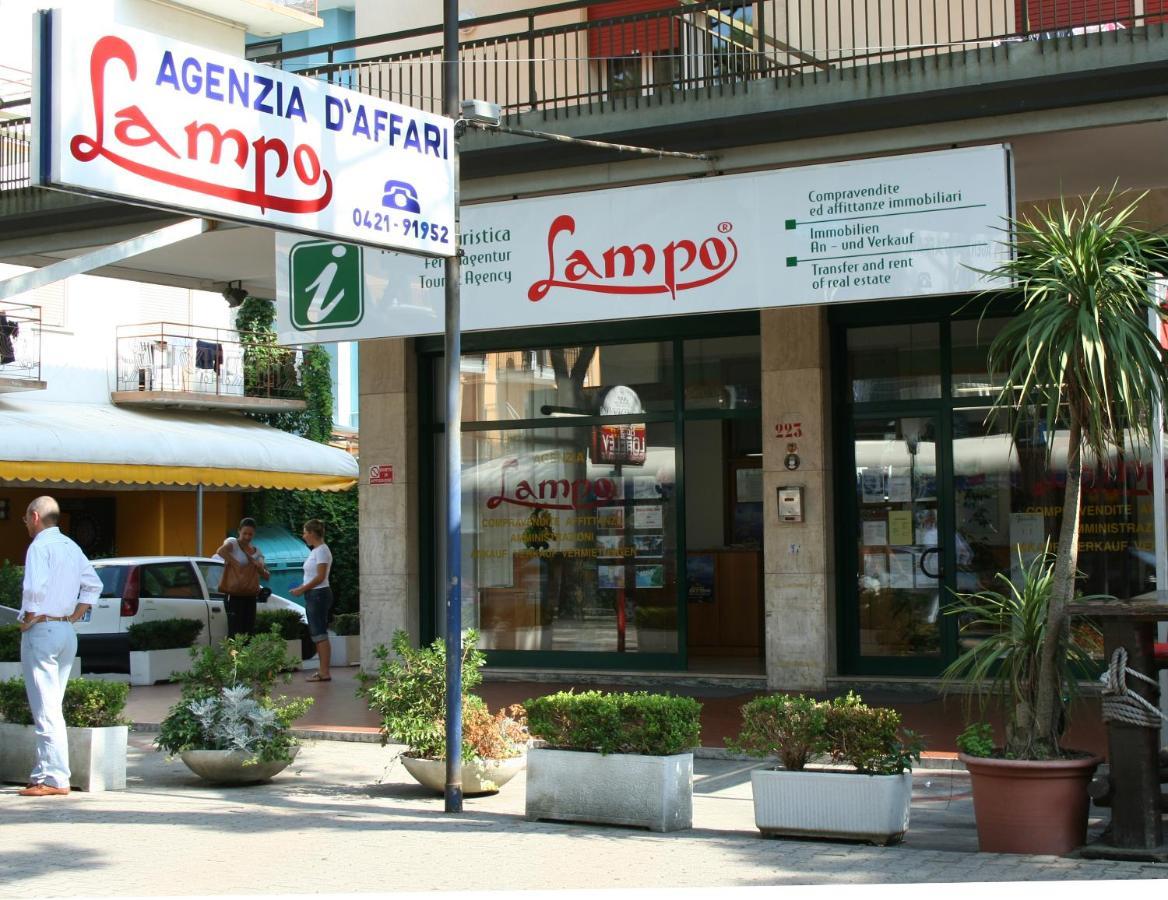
{"x":1080,"y":353}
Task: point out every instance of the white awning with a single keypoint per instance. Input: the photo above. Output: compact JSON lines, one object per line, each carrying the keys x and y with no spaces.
{"x":84,"y":443}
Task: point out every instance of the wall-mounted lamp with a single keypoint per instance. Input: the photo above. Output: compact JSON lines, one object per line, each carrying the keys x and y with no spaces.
{"x":234,"y":293}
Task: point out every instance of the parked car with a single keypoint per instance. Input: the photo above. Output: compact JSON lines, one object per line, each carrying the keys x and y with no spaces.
{"x":149,"y":588}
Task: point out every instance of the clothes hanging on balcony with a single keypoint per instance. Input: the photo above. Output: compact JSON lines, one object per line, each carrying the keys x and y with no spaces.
{"x":208,"y":355}
{"x":8,"y":330}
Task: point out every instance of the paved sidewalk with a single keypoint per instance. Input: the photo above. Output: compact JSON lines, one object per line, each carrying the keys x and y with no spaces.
{"x":346,"y":818}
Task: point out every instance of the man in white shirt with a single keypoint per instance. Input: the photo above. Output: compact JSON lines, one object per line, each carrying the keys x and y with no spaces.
{"x":60,"y":585}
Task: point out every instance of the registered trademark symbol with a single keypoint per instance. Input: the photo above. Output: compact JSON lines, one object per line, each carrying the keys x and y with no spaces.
{"x":725,"y":227}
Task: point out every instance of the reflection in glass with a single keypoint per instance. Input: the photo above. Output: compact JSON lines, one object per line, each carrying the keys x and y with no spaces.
{"x":971,"y":339}
{"x":561,"y":552}
{"x":559,"y":382}
{"x":895,"y":362}
{"x":723,"y":373}
{"x":900,"y":575}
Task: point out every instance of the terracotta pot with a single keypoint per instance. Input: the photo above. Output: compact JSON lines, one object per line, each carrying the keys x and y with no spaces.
{"x":1030,"y":807}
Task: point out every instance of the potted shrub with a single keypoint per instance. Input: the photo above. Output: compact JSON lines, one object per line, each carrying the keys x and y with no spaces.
{"x":1022,"y":805}
{"x":656,"y":628}
{"x":160,"y":648}
{"x":869,"y":800}
{"x":97,"y":733}
{"x":617,"y":759}
{"x":408,"y":694}
{"x":226,"y":727}
{"x":1078,"y":359}
{"x":345,"y":640}
{"x":10,"y":655}
{"x":287,"y":622}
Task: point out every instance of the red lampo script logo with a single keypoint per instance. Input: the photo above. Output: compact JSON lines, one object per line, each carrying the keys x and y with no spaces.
{"x":130,"y":130}
{"x":680,"y":265}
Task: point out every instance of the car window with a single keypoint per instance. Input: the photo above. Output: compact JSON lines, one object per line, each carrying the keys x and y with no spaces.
{"x":113,"y":579}
{"x":176,"y":580}
{"x":212,"y":572}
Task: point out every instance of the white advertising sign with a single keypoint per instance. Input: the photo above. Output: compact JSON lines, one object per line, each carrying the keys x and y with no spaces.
{"x":134,"y":116}
{"x":906,"y":226}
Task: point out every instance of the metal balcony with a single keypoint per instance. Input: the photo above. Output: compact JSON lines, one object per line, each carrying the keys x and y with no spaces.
{"x":173,"y":366}
{"x":20,"y":348}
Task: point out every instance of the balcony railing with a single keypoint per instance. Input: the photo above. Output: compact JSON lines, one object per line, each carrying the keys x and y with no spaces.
{"x":556,"y":60}
{"x":20,"y":347}
{"x":165,"y":364}
{"x":15,"y":135}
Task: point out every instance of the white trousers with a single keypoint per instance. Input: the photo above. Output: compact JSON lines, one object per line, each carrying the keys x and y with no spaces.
{"x":46,"y":658}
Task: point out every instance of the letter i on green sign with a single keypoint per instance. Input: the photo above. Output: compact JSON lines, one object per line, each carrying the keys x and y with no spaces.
{"x":326,"y":282}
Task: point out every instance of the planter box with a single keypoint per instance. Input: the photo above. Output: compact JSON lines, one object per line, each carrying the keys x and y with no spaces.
{"x":834,"y":804}
{"x":97,"y":756}
{"x":657,"y":640}
{"x":654,"y":792}
{"x":12,"y":670}
{"x":293,"y":649}
{"x":151,"y":666}
{"x":346,"y":649}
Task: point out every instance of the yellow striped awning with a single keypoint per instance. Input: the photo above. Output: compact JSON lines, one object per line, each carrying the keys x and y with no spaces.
{"x":92,"y":443}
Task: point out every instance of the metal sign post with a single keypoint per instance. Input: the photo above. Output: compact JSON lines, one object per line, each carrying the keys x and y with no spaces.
{"x":453,"y":349}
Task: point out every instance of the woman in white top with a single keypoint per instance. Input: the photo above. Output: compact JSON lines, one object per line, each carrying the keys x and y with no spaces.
{"x":318,"y":596}
{"x":243,"y":567}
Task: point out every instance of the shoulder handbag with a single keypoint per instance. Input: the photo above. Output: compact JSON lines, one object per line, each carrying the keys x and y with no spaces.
{"x":240,"y":580}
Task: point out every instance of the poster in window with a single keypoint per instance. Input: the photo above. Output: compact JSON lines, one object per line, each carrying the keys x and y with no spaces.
{"x":649,"y":545}
{"x":872,"y":485}
{"x":610,"y":517}
{"x":650,"y":577}
{"x":610,"y":546}
{"x":610,"y":578}
{"x":646,"y":518}
{"x":699,"y":577}
{"x":645,"y":487}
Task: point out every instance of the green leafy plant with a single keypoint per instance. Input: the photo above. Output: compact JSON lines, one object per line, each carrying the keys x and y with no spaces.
{"x":976,"y":740}
{"x":869,"y":738}
{"x":164,"y":634}
{"x":285,"y":621}
{"x":1013,"y":623}
{"x":87,"y":704}
{"x":11,"y":584}
{"x":408,"y":694}
{"x":1078,"y":357}
{"x":347,"y":624}
{"x":791,"y":728}
{"x":226,"y":701}
{"x":9,"y":643}
{"x":639,"y":723}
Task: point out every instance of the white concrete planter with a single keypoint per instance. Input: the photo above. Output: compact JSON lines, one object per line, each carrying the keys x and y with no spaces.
{"x":151,"y":666}
{"x":657,"y":640}
{"x":654,"y":792}
{"x":834,"y":804}
{"x":293,"y":649}
{"x":346,"y":649}
{"x":97,"y":756}
{"x":230,"y":766}
{"x":12,"y":670}
{"x":483,"y":776}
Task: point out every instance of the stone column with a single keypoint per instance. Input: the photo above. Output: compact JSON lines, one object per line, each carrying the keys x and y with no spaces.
{"x":388,"y":512}
{"x":798,"y":579}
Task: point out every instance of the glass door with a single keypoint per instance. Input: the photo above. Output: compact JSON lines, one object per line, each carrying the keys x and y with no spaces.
{"x":900,"y":547}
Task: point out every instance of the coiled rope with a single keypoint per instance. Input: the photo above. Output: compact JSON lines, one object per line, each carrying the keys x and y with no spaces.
{"x":1121,"y":704}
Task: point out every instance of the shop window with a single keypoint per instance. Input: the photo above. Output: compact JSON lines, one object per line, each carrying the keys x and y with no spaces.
{"x":971,"y":339}
{"x":561,"y":382}
{"x":723,"y":373}
{"x":894,"y":362}
{"x":1055,"y":15}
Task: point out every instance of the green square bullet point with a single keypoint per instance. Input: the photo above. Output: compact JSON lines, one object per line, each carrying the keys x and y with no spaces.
{"x":790,"y":224}
{"x":792,"y":261}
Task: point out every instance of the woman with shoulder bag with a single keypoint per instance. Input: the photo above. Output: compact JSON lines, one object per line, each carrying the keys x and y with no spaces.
{"x":318,"y":596}
{"x":243,"y":567}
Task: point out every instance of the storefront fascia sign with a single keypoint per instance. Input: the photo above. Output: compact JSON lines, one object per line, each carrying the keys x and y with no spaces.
{"x":906,"y":226}
{"x":128,"y":114}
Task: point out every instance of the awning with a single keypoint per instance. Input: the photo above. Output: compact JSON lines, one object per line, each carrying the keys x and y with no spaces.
{"x":64,"y":443}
